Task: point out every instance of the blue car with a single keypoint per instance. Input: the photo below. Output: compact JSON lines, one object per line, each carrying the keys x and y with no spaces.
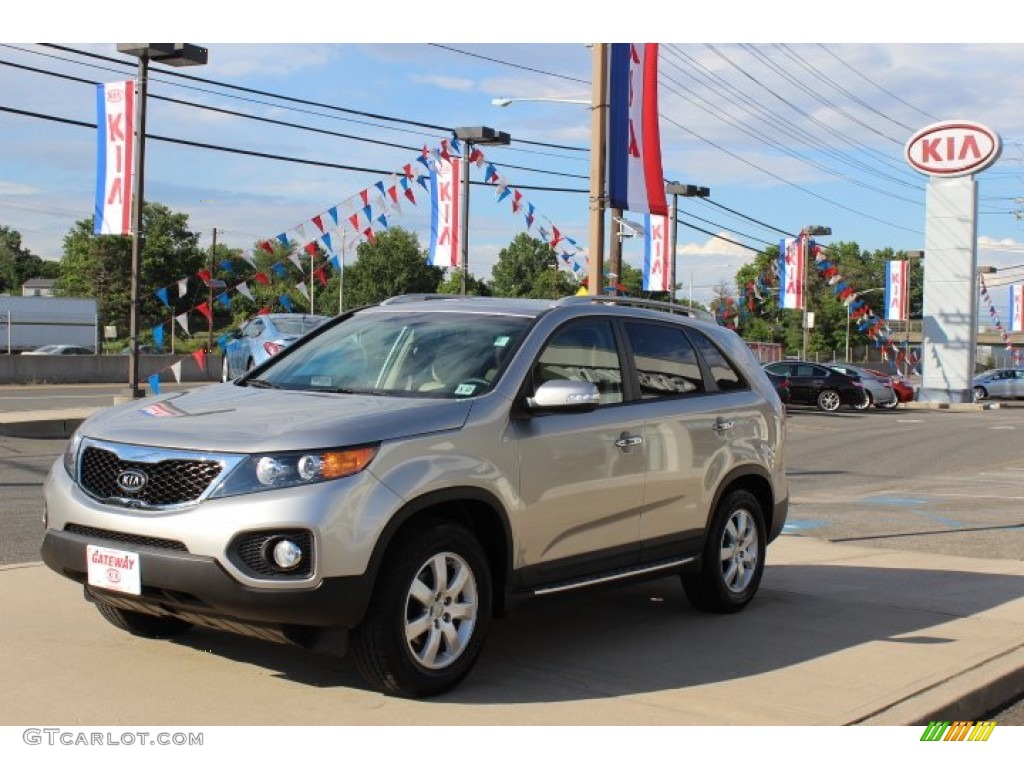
{"x":262,"y":337}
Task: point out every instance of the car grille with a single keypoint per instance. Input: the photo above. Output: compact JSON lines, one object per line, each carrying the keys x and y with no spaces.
{"x":168,"y":482}
{"x":130,"y":539}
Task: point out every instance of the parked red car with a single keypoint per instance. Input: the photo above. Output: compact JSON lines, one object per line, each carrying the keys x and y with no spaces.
{"x":904,"y":392}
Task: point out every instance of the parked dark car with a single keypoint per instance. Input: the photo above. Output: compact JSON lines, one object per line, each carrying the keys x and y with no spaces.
{"x":818,"y":385}
{"x":878,"y":389}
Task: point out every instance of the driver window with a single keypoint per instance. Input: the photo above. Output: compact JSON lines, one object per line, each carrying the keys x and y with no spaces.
{"x":584,"y":351}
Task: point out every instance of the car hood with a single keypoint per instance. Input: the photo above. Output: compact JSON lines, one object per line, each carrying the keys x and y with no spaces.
{"x":226,"y":417}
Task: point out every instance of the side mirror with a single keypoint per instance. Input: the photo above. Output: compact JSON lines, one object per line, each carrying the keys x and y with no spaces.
{"x":564,"y":395}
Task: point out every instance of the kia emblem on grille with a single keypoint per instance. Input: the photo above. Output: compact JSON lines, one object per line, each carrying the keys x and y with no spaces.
{"x":132,"y":480}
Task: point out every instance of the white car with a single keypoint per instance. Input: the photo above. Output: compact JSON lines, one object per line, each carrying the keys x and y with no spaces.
{"x":1000,"y":382}
{"x":60,"y":349}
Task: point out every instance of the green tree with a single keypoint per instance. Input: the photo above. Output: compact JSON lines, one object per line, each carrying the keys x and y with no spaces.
{"x":528,"y":268}
{"x":474,"y":286}
{"x":99,"y":266}
{"x":393,"y":265}
{"x":18,"y":264}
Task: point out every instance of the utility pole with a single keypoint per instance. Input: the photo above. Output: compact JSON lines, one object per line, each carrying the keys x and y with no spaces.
{"x":209,"y":283}
{"x":598,"y":142}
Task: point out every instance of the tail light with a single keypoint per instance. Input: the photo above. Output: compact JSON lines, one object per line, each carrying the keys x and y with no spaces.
{"x":272,"y":347}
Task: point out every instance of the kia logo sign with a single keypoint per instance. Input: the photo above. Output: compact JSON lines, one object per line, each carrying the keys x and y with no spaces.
{"x":115,"y":96}
{"x":132,"y":480}
{"x":953,"y":148}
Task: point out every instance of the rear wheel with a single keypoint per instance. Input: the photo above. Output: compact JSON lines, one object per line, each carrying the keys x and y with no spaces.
{"x":142,"y":624}
{"x":829,"y":400}
{"x":429,"y":614}
{"x":980,"y":393}
{"x":890,"y":405}
{"x":733,"y":558}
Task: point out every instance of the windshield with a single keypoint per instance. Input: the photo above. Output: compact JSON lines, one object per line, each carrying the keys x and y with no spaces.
{"x":420,"y":354}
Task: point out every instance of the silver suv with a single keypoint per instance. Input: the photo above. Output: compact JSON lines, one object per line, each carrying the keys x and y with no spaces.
{"x":387,"y":483}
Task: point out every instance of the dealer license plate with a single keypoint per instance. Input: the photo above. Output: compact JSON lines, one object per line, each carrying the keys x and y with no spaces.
{"x":113,"y":569}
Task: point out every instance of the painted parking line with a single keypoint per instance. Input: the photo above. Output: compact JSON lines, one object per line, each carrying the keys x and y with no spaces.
{"x":795,"y":526}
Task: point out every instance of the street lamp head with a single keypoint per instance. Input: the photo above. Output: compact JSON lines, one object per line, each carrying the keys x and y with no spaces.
{"x":686,"y":190}
{"x":915,"y":254}
{"x":987,"y":270}
{"x":482,"y":135}
{"x":501,"y":102}
{"x":171,"y":54}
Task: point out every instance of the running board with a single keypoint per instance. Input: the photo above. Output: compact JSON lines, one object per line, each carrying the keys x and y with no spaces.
{"x":625,"y":573}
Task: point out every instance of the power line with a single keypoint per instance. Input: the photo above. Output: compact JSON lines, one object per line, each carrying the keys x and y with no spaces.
{"x":508,"y":63}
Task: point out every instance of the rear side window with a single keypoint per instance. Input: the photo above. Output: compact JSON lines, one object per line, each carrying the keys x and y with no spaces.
{"x":723,"y":372}
{"x":666,"y":363}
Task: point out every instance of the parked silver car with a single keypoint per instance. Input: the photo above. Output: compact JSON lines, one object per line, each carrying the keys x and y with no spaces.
{"x":999,"y":383}
{"x":386,"y":484}
{"x":878,"y":389}
{"x":262,"y":337}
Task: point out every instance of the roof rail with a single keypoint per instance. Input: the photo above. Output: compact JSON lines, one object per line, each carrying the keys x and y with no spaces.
{"x":664,"y":306}
{"x":404,"y":297}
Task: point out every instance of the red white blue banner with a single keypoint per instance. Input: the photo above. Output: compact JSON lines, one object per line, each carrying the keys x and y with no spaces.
{"x":115,"y":147}
{"x":1017,"y":307}
{"x":635,"y":178}
{"x":792,"y":272}
{"x":445,"y":197}
{"x":896,"y":297}
{"x":657,"y":253}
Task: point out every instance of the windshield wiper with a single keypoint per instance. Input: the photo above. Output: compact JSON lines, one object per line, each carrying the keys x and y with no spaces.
{"x":261,"y":384}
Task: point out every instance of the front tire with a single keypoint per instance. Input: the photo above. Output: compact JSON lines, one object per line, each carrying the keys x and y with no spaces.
{"x":143,"y":624}
{"x":829,"y":400}
{"x":980,"y":393}
{"x":732,"y":562}
{"x":429,"y":614}
{"x":866,"y":403}
{"x":888,"y":406}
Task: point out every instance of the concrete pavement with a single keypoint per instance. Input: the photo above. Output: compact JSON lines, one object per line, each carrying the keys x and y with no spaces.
{"x":839,"y":634}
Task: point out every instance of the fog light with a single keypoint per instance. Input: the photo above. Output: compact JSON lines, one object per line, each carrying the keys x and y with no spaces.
{"x":287,"y":554}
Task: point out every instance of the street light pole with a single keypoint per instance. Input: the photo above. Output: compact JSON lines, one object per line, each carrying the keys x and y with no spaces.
{"x":805,"y":234}
{"x":470,"y":136}
{"x":678,"y":190}
{"x":598,"y":140}
{"x":175,"y":55}
{"x":906,"y":312}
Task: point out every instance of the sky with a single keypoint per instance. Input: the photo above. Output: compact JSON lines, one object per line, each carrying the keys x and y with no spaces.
{"x":786,"y":129}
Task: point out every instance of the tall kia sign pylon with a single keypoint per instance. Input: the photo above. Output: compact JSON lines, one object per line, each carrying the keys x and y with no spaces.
{"x":950,"y":153}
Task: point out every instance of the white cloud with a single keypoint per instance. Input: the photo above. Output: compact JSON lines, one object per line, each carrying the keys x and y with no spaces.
{"x":12,"y":188}
{"x":445,"y":83}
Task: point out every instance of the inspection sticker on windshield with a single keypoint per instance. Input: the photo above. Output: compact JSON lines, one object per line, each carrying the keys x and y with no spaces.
{"x":113,"y":569}
{"x":465,"y":389}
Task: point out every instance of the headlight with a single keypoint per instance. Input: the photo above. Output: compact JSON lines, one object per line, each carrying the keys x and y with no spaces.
{"x":71,"y":453}
{"x":264,"y":472}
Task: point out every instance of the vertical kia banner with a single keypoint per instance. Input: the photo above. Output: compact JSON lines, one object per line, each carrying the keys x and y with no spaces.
{"x":657,"y":253}
{"x":635,"y":178}
{"x":896,"y":290}
{"x":115,"y":145}
{"x":444,"y":212}
{"x":791,"y":273}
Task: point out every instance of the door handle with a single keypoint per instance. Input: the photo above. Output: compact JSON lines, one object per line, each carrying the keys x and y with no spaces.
{"x":628,"y":441}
